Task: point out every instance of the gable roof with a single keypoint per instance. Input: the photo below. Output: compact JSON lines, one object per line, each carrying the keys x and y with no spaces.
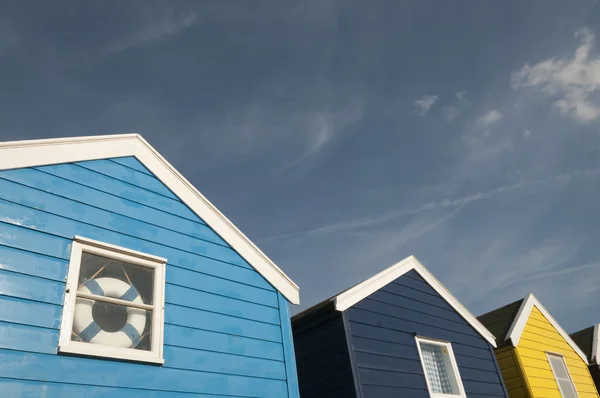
{"x":498,"y":321}
{"x":588,"y":340}
{"x":353,"y":295}
{"x":520,"y":320}
{"x":19,"y":154}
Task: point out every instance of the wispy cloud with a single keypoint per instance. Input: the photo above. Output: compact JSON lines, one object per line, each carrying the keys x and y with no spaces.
{"x":425,"y":103}
{"x":154,"y":33}
{"x":572,"y":81}
{"x":526,"y":133}
{"x":450,"y":202}
{"x":489,"y":118}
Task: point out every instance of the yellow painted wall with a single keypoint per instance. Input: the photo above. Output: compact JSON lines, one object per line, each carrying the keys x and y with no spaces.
{"x":539,"y":336}
{"x":511,"y":373}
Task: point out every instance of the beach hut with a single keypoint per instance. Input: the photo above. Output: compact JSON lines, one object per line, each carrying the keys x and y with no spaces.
{"x":588,"y":340}
{"x":536,"y":356}
{"x":400,"y":333}
{"x":119,"y":279}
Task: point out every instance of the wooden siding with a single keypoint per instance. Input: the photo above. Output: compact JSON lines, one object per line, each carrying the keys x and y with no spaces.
{"x":383,"y":328}
{"x":511,"y":372}
{"x":227,"y":331}
{"x":539,"y":337}
{"x":322,"y":357}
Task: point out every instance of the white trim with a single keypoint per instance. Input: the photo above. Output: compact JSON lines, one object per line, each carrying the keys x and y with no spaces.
{"x":457,"y":380}
{"x":562,"y":358}
{"x":18,"y":154}
{"x":518,"y":325}
{"x":595,"y":354}
{"x":158,"y":264}
{"x":359,"y":292}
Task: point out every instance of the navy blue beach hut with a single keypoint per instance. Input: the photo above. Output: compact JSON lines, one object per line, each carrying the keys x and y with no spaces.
{"x":400,"y":333}
{"x":119,"y":279}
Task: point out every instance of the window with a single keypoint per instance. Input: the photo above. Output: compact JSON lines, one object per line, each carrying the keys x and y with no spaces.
{"x":114,"y":303}
{"x":562,"y":376}
{"x":439,"y":366}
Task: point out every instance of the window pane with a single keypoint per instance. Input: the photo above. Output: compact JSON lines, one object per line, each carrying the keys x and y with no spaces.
{"x":109,"y":324}
{"x":113,"y":278}
{"x":436,"y":368}
{"x":562,"y":376}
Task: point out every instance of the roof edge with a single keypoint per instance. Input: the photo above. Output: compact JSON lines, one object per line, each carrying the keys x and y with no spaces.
{"x":518,"y":325}
{"x":364,"y":289}
{"x":596,"y":344}
{"x":31,"y":153}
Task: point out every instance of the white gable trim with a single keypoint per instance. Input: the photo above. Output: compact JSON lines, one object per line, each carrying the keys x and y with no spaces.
{"x":596,"y":344}
{"x":361,"y":291}
{"x":518,"y":325}
{"x":18,"y":154}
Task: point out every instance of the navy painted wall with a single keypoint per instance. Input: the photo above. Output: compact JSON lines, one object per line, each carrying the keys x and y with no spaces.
{"x":322,"y":359}
{"x":227,"y":331}
{"x":382,"y":331}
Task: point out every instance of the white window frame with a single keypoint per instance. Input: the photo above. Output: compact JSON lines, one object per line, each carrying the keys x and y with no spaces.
{"x":562,"y":358}
{"x":456,"y":381}
{"x":82,"y":245}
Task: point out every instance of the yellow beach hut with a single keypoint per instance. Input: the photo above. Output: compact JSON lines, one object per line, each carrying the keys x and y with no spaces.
{"x":536,"y":356}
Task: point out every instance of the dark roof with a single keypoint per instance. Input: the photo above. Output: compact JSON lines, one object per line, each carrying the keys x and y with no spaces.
{"x":498,"y":321}
{"x":584,"y":339}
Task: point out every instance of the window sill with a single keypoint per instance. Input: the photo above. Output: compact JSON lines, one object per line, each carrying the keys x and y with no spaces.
{"x":99,"y":351}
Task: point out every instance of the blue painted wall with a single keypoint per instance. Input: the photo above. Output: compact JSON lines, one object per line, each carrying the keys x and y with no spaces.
{"x":227,"y":330}
{"x":382,"y":331}
{"x":322,"y":356}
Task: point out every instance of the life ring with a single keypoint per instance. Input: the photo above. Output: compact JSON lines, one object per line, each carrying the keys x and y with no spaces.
{"x":89,"y":331}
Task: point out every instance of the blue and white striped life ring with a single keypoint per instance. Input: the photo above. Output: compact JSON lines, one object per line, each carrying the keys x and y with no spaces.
{"x":88,"y":330}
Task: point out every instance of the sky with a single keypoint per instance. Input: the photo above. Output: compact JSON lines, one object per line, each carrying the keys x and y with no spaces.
{"x":344,"y":136}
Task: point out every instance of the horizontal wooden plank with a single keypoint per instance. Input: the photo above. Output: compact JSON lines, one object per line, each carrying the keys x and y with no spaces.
{"x":475,"y":363}
{"x":539,"y":373}
{"x":18,"y":237}
{"x":473,"y":388}
{"x":129,"y":176}
{"x":118,"y":188}
{"x":417,"y":314}
{"x":24,"y":262}
{"x":539,"y":354}
{"x":415,"y":284}
{"x":416,"y":295}
{"x":480,"y":375}
{"x":183,"y":316}
{"x":371,"y":346}
{"x":223,"y":305}
{"x":546,"y":392}
{"x":542,"y":382}
{"x":390,"y":379}
{"x":408,"y":303}
{"x":390,"y":363}
{"x":67,"y":228}
{"x":31,"y":313}
{"x":375,"y":391}
{"x":546,"y":345}
{"x":514,"y":383}
{"x":76,"y":210}
{"x":59,"y":186}
{"x":542,"y":334}
{"x":519,"y":392}
{"x":214,"y":362}
{"x":14,"y":336}
{"x":384,"y":321}
{"x":541,"y":325}
{"x":44,"y":389}
{"x":31,"y":288}
{"x":132,"y":163}
{"x":224,"y":287}
{"x":185,"y":337}
{"x":55,"y":368}
{"x":512,"y":372}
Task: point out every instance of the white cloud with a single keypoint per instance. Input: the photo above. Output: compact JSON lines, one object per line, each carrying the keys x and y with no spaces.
{"x":450,"y":112}
{"x":571,"y":81}
{"x":489,"y":118}
{"x":461,"y":95}
{"x":526,"y":133}
{"x":151,"y":34}
{"x":425,"y":103}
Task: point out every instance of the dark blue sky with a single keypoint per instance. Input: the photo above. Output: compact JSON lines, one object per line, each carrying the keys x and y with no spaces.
{"x":344,"y":136}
